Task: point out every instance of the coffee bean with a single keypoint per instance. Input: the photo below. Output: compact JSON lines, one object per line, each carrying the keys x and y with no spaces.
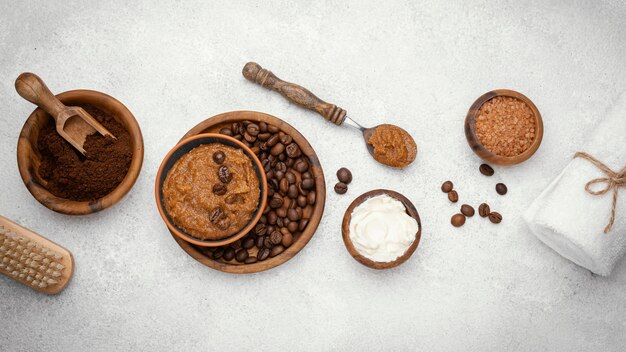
{"x":268,"y":242}
{"x":483,"y":210}
{"x":273,"y":140}
{"x":219,"y":189}
{"x":219,"y":157}
{"x":501,"y":189}
{"x":486,"y":170}
{"x":249,"y":138}
{"x":235,"y":127}
{"x":276,"y":237}
{"x":310,"y":198}
{"x":259,"y":241}
{"x":306,"y":175}
{"x":224,"y":174}
{"x":341,"y":188}
{"x":293,"y":151}
{"x":301,"y":189}
{"x":301,"y":166}
{"x":285,"y":138}
{"x":279,"y":175}
{"x":291,"y":178}
{"x":226,"y":131}
{"x":255,"y":150}
{"x":467,"y":210}
{"x":253,"y":129}
{"x":241,"y":255}
{"x":262,"y":126}
{"x":236,"y":245}
{"x":276,"y":250}
{"x":457,"y":220}
{"x":216,"y":215}
{"x":272,"y":218}
{"x":248,"y":243}
{"x":229,"y":254}
{"x":447,"y":186}
{"x":302,"y":224}
{"x":284,"y":185}
{"x":344,"y":175}
{"x":277,"y":149}
{"x":250,"y":260}
{"x":292,"y":226}
{"x":495,"y":217}
{"x":292,"y":214}
{"x":272,"y":129}
{"x":234,"y":198}
{"x":287,"y":240}
{"x":301,"y":201}
{"x":292,"y":192}
{"x":263,"y":254}
{"x":276,"y":202}
{"x":453,"y":196}
{"x":281,"y":166}
{"x":282,"y":212}
{"x":218,"y":253}
{"x":308,"y":184}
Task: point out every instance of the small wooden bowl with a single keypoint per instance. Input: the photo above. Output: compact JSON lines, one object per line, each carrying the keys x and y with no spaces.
{"x":484,"y":153}
{"x":185,"y":147}
{"x":345,"y":229}
{"x":213,"y":125}
{"x":29,"y":158}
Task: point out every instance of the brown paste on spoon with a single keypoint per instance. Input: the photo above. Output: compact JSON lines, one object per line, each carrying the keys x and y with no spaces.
{"x":392,"y":146}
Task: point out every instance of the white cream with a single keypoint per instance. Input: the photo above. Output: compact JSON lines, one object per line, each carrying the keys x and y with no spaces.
{"x":381,"y":230}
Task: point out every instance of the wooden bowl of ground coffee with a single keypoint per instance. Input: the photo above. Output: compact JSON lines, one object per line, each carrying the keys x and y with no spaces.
{"x":504,"y":127}
{"x":65,"y":181}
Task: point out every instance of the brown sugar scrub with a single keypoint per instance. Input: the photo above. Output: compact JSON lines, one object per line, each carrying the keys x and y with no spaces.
{"x":392,"y":146}
{"x":506,"y":126}
{"x":212,"y":192}
{"x":70,"y":175}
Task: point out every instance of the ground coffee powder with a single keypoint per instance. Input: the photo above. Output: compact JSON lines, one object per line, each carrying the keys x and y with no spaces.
{"x":76,"y":177}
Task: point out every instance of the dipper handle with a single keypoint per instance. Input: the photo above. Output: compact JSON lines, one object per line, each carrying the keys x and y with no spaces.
{"x":32,"y":88}
{"x":293,"y":92}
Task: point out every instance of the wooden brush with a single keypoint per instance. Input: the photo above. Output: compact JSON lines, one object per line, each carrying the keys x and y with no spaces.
{"x":33,"y":260}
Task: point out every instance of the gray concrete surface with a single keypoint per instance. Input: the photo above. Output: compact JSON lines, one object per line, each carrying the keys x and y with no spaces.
{"x":417,"y":64}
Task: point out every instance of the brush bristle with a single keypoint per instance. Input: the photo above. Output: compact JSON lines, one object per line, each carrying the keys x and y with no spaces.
{"x":27,"y":261}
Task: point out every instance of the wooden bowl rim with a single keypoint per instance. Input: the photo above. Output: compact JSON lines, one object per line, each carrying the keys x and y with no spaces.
{"x":318,"y":210}
{"x":67,"y":206}
{"x":183,"y":235}
{"x":486,"y":154}
{"x":345,"y":229}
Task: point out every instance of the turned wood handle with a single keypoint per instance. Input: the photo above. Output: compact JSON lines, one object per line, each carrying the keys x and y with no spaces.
{"x":293,"y":92}
{"x":32,"y":88}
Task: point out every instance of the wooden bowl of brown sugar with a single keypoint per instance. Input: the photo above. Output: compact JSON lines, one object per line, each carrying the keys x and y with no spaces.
{"x":504,"y":127}
{"x":109,"y":177}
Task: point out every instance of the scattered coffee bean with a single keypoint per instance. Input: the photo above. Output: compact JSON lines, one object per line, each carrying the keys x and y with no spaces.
{"x":467,"y":210}
{"x":219,"y":157}
{"x":457,"y":220}
{"x":344,"y":175}
{"x":341,"y":188}
{"x":219,"y":189}
{"x":229,"y":254}
{"x":276,"y":250}
{"x":263,"y":254}
{"x":453,"y":196}
{"x":241,"y":255}
{"x":483,"y":210}
{"x":495,"y":217}
{"x":486,"y":170}
{"x":447,"y":186}
{"x":224,"y":174}
{"x":501,"y":189}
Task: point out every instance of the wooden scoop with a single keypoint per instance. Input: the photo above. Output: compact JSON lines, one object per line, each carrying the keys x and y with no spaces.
{"x":72,"y":122}
{"x":331,"y":112}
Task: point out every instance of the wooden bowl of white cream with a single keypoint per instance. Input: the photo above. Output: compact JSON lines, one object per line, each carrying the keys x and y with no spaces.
{"x":381,"y":229}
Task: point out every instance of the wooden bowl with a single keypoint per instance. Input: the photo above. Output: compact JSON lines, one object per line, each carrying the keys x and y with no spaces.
{"x":184,"y":147}
{"x":29,"y":158}
{"x":345,"y":229}
{"x":484,"y":153}
{"x":214,"y":124}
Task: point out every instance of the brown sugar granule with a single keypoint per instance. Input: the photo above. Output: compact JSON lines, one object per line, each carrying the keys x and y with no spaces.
{"x":505,"y":126}
{"x":71,"y":175}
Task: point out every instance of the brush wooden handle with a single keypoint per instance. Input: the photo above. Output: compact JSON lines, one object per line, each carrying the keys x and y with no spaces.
{"x":294,"y":93}
{"x":32,"y":88}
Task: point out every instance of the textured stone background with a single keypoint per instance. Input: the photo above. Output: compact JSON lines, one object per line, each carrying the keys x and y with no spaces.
{"x":419,"y":65}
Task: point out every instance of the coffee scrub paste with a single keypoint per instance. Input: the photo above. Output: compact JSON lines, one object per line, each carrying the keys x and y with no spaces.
{"x":381,"y":230}
{"x":392,"y":146}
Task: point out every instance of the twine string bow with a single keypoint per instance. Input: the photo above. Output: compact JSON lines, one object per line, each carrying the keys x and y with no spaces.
{"x":613,"y":181}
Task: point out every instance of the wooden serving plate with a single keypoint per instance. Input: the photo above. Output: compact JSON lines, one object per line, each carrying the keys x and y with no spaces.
{"x":213,"y":125}
{"x":484,"y":153}
{"x":29,"y":158}
{"x":345,"y":229}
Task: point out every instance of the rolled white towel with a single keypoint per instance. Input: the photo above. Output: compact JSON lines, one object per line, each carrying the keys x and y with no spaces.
{"x":572,"y":221}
